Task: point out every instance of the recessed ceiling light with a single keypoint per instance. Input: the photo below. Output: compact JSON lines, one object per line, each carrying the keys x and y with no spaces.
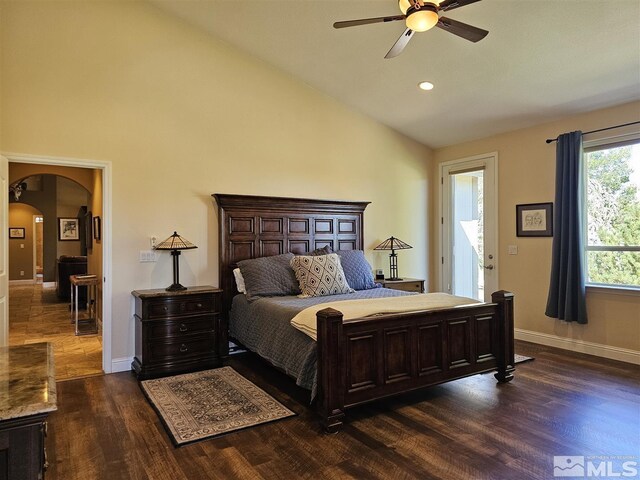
{"x":425,"y":85}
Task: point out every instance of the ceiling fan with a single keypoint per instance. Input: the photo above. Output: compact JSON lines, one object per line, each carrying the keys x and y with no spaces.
{"x":420,"y":16}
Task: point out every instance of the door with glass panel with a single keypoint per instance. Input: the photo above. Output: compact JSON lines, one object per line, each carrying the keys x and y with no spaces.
{"x":469,"y":227}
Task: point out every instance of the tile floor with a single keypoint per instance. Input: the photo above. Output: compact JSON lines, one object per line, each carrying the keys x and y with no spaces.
{"x":36,"y":315}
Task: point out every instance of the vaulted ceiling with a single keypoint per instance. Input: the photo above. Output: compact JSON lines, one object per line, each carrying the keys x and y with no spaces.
{"x":542,"y":60}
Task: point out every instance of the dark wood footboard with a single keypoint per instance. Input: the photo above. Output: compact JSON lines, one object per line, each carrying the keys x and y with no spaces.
{"x":362,"y":360}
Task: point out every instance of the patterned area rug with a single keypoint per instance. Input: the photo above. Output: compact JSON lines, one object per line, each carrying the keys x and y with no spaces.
{"x":199,"y":405}
{"x":522,"y":358}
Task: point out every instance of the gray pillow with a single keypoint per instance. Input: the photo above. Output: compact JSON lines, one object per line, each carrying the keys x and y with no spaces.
{"x":269,"y":276}
{"x":326,"y":250}
{"x":357,"y":270}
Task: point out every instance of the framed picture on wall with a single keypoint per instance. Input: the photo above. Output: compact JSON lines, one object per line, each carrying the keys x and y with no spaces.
{"x":534,"y":220}
{"x":97,"y":228}
{"x":16,"y":232}
{"x":68,"y":229}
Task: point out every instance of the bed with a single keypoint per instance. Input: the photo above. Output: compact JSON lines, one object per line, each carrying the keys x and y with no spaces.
{"x":362,"y":359}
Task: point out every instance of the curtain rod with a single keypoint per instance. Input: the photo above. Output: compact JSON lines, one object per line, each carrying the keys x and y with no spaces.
{"x":550,"y":140}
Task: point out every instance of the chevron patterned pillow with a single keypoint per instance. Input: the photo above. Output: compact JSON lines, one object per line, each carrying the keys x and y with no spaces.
{"x":320,"y":275}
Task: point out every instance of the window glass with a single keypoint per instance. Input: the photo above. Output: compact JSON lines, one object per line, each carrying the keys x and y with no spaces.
{"x":613,"y":214}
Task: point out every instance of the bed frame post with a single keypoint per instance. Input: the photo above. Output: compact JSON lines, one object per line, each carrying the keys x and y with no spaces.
{"x":506,"y":352}
{"x":330,"y":369}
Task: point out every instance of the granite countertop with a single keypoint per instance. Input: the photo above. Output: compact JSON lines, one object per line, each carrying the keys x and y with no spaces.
{"x":27,"y":380}
{"x":161,"y":292}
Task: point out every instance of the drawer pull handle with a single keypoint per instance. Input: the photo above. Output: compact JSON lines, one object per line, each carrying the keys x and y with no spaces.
{"x":183,"y":327}
{"x":183,"y":348}
{"x":165,"y":308}
{"x":199,"y":305}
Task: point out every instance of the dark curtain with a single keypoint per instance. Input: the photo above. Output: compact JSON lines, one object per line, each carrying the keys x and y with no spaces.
{"x":566,"y":299}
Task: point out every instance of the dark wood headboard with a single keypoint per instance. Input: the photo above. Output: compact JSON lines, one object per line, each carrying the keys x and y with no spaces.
{"x":252,"y":226}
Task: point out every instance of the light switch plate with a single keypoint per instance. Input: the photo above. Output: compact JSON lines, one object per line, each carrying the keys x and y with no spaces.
{"x":513,"y":249}
{"x":147,"y":256}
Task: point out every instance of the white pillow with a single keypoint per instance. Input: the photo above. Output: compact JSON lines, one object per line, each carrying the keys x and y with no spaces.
{"x":239,"y":280}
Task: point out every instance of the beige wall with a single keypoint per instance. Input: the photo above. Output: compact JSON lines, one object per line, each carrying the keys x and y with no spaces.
{"x":527,"y":175}
{"x":21,"y":249}
{"x":181,"y":116}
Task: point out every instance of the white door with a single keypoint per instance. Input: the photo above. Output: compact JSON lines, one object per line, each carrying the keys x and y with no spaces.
{"x":469,"y":250}
{"x":4,"y":251}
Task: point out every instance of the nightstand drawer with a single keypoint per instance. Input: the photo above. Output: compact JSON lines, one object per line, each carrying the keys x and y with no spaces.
{"x":188,"y":306}
{"x":178,"y":328}
{"x":406,"y":284}
{"x":187,"y":347}
{"x":407,"y":287}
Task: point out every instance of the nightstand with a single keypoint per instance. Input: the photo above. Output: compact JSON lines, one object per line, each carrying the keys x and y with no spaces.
{"x":406,"y":284}
{"x":178,"y":332}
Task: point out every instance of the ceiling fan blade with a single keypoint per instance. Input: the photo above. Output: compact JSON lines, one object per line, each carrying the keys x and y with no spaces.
{"x":451,"y":4}
{"x":402,"y":42}
{"x":367,"y":21}
{"x":468,"y":32}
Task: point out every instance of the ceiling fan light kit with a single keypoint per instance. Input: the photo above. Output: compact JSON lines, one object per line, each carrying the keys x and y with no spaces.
{"x":420,"y":16}
{"x":423,"y":19}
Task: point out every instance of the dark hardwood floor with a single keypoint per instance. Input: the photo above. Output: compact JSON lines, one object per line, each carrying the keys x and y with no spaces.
{"x":560,"y":404}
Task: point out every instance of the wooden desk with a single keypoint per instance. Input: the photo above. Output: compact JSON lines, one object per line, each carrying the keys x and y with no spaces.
{"x":91,"y":282}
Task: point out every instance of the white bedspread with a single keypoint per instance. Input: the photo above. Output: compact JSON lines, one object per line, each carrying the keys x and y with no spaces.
{"x":305,"y":321}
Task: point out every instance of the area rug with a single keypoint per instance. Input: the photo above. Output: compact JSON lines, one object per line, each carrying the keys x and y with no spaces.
{"x":522,"y":358}
{"x":200,"y":405}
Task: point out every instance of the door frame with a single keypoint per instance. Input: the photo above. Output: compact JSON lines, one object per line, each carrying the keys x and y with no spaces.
{"x":4,"y":253}
{"x":107,"y":185}
{"x":467,"y":162}
{"x":35,"y":248}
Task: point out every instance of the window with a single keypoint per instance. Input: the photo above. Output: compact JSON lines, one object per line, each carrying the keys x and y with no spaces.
{"x":612,"y":242}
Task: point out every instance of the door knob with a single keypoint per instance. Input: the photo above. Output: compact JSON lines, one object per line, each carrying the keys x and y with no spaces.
{"x":489,"y":267}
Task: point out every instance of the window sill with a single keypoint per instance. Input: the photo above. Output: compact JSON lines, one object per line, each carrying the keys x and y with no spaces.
{"x":614,"y":290}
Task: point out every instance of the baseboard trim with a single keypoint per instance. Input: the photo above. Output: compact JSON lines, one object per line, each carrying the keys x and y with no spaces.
{"x":22,"y":282}
{"x":121,"y":364}
{"x":597,"y":349}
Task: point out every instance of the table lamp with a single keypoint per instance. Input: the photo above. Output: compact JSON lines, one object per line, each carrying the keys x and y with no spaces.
{"x":175,"y":243}
{"x":393,"y":244}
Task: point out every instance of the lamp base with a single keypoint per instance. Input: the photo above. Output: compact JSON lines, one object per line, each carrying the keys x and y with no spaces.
{"x":175,"y":287}
{"x":395,"y":279}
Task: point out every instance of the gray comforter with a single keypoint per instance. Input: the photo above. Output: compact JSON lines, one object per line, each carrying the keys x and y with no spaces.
{"x":263,"y":326}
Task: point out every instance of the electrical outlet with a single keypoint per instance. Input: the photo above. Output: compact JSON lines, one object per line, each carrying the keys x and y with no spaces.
{"x":22,"y":273}
{"x":153,"y":240}
{"x":147,"y":256}
{"x":22,"y":245}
